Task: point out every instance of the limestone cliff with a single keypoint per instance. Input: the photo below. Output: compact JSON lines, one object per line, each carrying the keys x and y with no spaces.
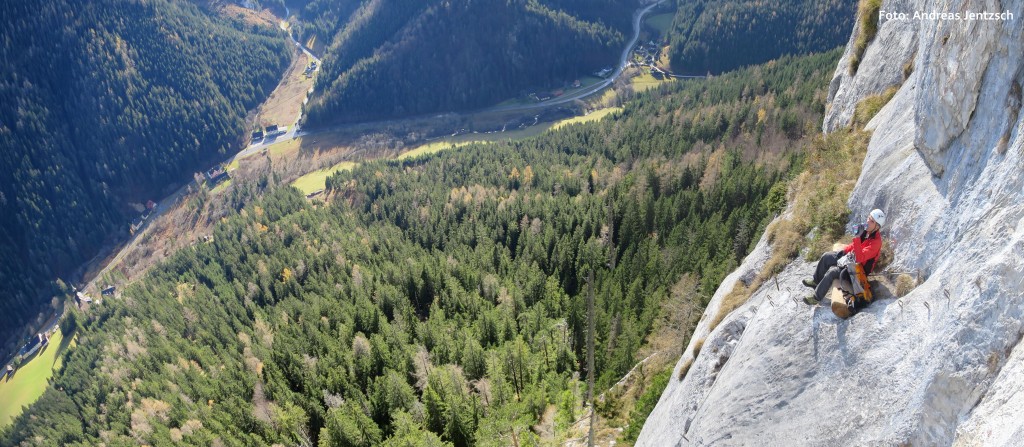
{"x":940,"y":366}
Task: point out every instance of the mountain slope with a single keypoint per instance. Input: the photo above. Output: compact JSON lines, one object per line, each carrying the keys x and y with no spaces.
{"x":716,"y":36}
{"x":441,"y":298}
{"x":407,"y":57}
{"x":106,"y":103}
{"x":938,"y":366}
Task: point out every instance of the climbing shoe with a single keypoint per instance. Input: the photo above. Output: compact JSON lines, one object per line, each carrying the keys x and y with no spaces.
{"x":810,"y":283}
{"x":811,"y":300}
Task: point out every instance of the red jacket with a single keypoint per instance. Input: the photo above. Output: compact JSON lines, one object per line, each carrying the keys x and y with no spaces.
{"x":866,"y":248}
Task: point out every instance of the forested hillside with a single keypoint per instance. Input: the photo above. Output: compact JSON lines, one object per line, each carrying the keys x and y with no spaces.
{"x":440,"y":300}
{"x":391,"y":58}
{"x":103,"y":103}
{"x":716,"y":36}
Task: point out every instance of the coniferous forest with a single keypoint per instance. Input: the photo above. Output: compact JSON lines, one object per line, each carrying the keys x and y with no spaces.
{"x":710,"y":36}
{"x":393,"y":58}
{"x":440,"y":300}
{"x":106,"y":103}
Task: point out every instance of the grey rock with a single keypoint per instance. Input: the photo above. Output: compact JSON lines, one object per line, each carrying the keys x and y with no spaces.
{"x":941,"y":366}
{"x":894,"y":46}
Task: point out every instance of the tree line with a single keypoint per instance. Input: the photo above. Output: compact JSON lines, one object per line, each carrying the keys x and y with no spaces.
{"x":718,"y":36}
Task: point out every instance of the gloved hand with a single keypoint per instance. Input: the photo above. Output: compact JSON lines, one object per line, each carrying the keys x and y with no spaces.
{"x":840,"y":254}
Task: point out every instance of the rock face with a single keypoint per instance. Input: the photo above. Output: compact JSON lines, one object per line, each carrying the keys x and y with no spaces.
{"x":940,"y":366}
{"x":882,"y":65}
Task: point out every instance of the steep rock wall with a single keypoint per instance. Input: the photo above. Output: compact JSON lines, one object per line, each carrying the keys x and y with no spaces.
{"x":941,"y":365}
{"x":882,"y":65}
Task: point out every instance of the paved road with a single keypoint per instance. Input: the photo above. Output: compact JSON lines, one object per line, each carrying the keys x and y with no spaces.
{"x":293,"y":131}
{"x":284,"y":26}
{"x":638,"y":17}
{"x":167,"y":202}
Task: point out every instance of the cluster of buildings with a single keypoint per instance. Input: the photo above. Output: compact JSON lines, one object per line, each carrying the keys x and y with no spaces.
{"x":216,"y":174}
{"x":34,"y":344}
{"x":42,"y":339}
{"x":84,"y":300}
{"x":544,"y":96}
{"x":271,"y":131}
{"x":644,"y":55}
{"x":647,"y":55}
{"x":139,"y":221}
{"x":310,"y":69}
{"x":210,"y":177}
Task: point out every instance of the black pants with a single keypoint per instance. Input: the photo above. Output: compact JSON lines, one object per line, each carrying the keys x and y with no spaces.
{"x":826,"y":272}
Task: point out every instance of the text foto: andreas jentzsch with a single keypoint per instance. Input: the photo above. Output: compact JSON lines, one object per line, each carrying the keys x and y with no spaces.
{"x":951,"y":16}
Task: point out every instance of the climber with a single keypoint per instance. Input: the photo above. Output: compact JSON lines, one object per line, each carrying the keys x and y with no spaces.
{"x":867,"y":243}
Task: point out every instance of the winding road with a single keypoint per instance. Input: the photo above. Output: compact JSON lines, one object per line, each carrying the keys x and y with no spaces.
{"x":287,"y":28}
{"x":638,"y":17}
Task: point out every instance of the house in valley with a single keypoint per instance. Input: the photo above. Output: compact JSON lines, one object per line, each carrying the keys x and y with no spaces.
{"x":34,"y":345}
{"x":216,"y":174}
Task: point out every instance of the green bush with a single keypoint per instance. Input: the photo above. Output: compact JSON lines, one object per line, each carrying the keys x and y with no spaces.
{"x":646,"y":404}
{"x":70,"y":323}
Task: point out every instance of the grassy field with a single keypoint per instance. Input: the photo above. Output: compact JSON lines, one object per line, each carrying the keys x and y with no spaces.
{"x":587,"y":81}
{"x":467,"y":139}
{"x":661,"y":22}
{"x":474,"y":138}
{"x":30,"y":380}
{"x":437,"y":146}
{"x":640,"y":82}
{"x":518,"y":101}
{"x":665,"y":61}
{"x":646,"y":81}
{"x":285,"y":148}
{"x":596,"y":115}
{"x":288,"y":147}
{"x":284,"y":104}
{"x":316,"y":180}
{"x":607,"y":98}
{"x":221,"y":187}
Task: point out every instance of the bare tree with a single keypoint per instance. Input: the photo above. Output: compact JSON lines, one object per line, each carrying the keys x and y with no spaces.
{"x":590,"y":354}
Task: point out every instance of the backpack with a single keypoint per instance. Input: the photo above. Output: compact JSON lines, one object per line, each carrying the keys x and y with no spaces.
{"x":861,"y":289}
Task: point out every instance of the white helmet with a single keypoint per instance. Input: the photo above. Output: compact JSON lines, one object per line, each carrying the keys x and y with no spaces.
{"x":878,"y":216}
